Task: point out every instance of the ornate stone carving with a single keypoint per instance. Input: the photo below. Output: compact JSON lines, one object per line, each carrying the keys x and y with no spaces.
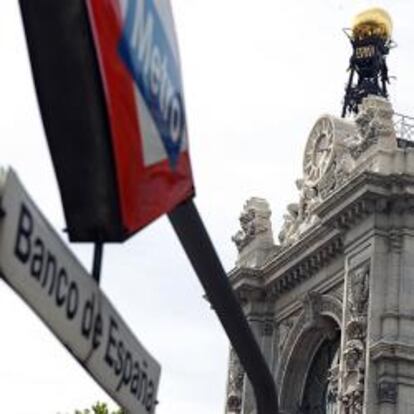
{"x":373,"y":122}
{"x":332,"y":390}
{"x":254,"y":220}
{"x":352,"y":394}
{"x":372,"y":125}
{"x":335,"y":177}
{"x":299,"y":216}
{"x":248,"y":230}
{"x":234,"y":384}
{"x":353,"y":402}
{"x":359,"y":291}
{"x":288,"y":227}
{"x":332,"y":155}
{"x":330,"y":181}
{"x":354,"y":353}
{"x":319,"y":181}
{"x":308,"y":200}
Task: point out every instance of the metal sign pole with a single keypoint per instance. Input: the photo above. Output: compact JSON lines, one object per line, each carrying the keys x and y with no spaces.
{"x":97,"y":261}
{"x":194,"y":238}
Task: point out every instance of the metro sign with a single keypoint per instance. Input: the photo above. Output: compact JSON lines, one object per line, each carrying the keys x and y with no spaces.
{"x":138,"y":56}
{"x":122,"y":120}
{"x":151,"y":63}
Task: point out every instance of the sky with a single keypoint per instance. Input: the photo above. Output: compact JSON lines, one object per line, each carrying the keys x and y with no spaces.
{"x":257,"y":75}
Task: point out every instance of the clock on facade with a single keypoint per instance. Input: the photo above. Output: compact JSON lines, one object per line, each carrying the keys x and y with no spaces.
{"x":319,"y":151}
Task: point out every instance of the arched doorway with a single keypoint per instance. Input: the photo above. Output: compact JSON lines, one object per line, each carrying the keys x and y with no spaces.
{"x":319,"y":396}
{"x":309,"y":366}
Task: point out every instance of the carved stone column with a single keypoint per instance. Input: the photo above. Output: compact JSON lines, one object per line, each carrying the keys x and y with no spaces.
{"x":235,"y":383}
{"x":353,"y":358}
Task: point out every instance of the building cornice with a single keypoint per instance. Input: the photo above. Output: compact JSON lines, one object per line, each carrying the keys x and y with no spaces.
{"x":367,"y":193}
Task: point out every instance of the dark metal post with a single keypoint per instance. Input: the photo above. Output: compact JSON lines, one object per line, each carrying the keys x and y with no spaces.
{"x":347,"y":93}
{"x":194,"y":238}
{"x":97,"y":261}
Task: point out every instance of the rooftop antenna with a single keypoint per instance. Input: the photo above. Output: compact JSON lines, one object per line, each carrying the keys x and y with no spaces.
{"x":370,"y":37}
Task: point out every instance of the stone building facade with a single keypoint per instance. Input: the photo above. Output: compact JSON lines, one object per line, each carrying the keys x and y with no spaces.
{"x":332,"y":303}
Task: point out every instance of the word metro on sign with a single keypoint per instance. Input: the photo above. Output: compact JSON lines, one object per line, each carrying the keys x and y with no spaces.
{"x":146,"y":52}
{"x":36,"y":263}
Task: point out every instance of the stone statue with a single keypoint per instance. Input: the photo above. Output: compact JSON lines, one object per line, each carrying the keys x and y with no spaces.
{"x":254,"y":220}
{"x":374,"y":124}
{"x":359,"y":291}
{"x":254,"y":241}
{"x":300,"y":216}
{"x":248,"y":229}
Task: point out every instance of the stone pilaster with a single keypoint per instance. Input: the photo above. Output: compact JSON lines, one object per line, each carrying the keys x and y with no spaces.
{"x":352,"y":381}
{"x":235,"y":385}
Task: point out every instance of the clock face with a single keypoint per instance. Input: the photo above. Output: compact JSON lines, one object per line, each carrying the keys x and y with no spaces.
{"x":319,"y":152}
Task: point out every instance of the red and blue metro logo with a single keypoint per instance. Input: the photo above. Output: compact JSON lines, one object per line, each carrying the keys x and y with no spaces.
{"x":139,"y":64}
{"x":151,"y":62}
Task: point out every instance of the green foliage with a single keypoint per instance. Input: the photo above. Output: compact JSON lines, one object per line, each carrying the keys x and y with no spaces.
{"x":100,"y":408}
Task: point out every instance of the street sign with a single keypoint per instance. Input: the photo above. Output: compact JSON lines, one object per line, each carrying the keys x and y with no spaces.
{"x":38,"y":265}
{"x":108,"y":79}
{"x":139,"y":62}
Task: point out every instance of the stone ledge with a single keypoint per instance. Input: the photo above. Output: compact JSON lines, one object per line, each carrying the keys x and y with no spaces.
{"x":391,"y":351}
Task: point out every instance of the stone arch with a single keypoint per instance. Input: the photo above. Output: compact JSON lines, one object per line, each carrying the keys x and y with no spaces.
{"x":315,"y":324}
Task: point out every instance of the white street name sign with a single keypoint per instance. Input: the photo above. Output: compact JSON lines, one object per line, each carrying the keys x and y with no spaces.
{"x":37,"y":264}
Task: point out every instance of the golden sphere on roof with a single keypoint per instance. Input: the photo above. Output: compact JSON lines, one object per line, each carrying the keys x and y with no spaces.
{"x":372,"y":22}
